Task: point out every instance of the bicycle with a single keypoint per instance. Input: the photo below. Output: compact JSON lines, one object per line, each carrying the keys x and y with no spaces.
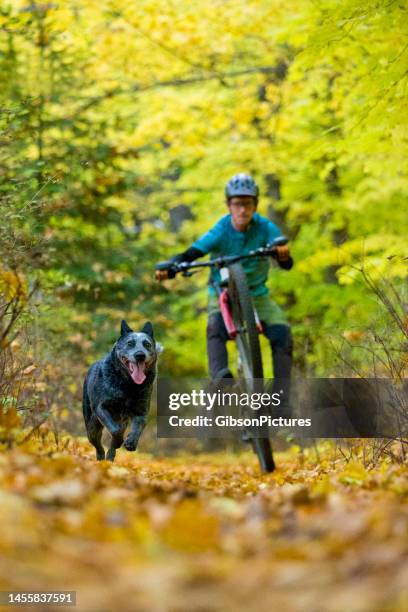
{"x":242,"y":324}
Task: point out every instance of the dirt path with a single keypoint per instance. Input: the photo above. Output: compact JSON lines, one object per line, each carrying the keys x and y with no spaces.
{"x":204,"y":533}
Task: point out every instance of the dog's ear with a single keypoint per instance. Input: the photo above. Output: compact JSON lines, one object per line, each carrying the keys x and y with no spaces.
{"x":125,"y":329}
{"x":148,"y":329}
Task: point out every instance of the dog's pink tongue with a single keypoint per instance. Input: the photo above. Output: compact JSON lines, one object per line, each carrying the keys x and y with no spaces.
{"x":136,"y":372}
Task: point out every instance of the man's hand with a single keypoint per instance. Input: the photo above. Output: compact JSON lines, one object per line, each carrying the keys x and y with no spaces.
{"x":165,"y":271}
{"x":282,"y":253}
{"x":161,"y":275}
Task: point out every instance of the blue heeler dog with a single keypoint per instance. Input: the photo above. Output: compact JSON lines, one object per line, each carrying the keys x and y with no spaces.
{"x":118,"y":388}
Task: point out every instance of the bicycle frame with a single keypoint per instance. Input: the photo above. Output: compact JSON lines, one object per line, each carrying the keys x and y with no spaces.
{"x":222,"y":292}
{"x":225,"y":308}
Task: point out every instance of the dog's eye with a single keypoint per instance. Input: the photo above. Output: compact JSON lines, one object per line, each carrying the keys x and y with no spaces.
{"x":131,"y":343}
{"x":147,"y":344}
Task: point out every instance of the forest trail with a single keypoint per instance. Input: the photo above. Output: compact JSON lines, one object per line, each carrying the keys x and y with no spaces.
{"x":205,"y":532}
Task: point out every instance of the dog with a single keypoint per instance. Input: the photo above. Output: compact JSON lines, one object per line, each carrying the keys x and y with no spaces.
{"x":118,"y":389}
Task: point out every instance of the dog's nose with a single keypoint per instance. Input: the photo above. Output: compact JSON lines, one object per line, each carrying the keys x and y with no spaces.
{"x":139,"y":356}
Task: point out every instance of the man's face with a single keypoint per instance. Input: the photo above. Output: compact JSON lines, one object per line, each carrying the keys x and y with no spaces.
{"x":242,"y":209}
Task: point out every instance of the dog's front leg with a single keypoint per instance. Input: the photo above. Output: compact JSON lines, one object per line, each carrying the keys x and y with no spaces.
{"x":116,"y":443}
{"x":136,"y":427}
{"x":106,"y":420}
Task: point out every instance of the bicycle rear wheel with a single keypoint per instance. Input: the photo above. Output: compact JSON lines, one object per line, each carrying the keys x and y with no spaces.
{"x":249,"y":351}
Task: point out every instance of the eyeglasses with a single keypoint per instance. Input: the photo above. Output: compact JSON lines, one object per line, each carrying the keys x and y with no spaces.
{"x":246,"y":205}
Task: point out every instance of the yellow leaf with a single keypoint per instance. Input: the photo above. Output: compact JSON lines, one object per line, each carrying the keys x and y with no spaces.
{"x":355,"y":473}
{"x":191,"y":528}
{"x":12,"y":286}
{"x":9,"y":419}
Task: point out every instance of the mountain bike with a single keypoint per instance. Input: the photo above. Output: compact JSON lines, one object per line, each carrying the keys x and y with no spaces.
{"x":242,"y":324}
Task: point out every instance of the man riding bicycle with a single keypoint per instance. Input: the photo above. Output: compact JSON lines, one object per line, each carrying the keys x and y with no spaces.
{"x":239,"y":232}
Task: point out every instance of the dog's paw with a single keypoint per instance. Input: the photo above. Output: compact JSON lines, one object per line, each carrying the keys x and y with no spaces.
{"x":111,"y":454}
{"x":130,"y":445}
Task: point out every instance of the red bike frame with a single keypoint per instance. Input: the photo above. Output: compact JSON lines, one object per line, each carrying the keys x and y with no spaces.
{"x":225,"y":309}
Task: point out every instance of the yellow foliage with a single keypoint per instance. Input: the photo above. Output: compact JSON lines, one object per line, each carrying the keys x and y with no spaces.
{"x":9,"y":419}
{"x":13,"y":286}
{"x":354,"y":474}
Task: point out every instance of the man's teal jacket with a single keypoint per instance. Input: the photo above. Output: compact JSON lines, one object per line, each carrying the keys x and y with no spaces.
{"x":224,"y":239}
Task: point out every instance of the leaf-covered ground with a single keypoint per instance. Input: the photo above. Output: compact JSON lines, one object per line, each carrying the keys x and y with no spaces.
{"x":204,"y":532}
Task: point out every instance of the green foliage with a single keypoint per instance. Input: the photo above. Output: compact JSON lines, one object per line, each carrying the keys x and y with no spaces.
{"x":114,"y":114}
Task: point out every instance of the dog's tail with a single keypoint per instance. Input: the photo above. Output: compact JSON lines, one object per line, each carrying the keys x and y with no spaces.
{"x":86,"y":405}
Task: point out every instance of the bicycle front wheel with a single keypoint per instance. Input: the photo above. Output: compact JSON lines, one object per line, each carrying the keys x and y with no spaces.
{"x":263,"y":450}
{"x":249,"y":350}
{"x":244,"y":320}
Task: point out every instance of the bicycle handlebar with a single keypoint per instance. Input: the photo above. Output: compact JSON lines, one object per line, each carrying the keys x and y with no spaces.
{"x":221,"y":262}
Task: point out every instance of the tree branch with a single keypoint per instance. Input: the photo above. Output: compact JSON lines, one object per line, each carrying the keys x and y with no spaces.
{"x":178,"y":82}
